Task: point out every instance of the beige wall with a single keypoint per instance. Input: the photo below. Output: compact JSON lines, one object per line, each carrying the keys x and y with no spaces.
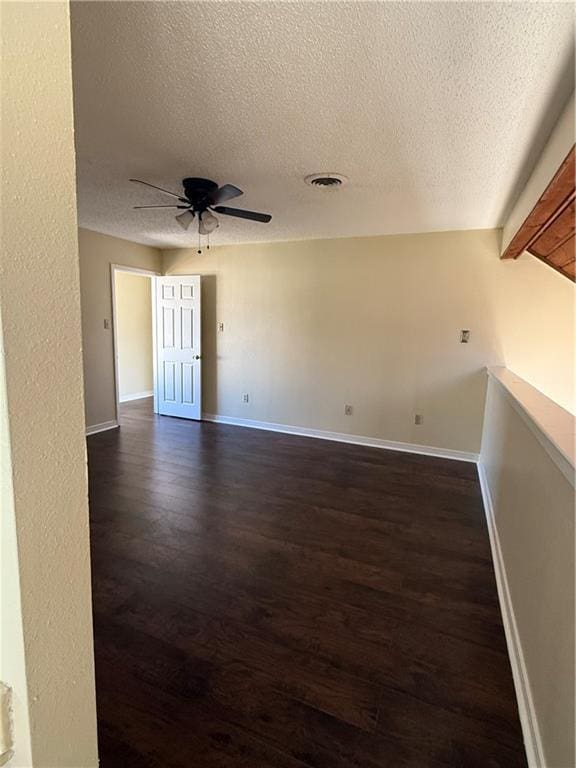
{"x":533,"y":508}
{"x":374,"y":322}
{"x":535,"y":311}
{"x":97,"y":253}
{"x":46,"y":484}
{"x":134,"y":334}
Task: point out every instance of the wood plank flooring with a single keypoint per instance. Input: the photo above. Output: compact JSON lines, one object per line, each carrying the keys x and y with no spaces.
{"x":270,"y":601}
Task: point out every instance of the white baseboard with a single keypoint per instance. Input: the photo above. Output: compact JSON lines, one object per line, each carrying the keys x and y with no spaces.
{"x":343,"y":437}
{"x":136,"y":396}
{"x":528,"y":719}
{"x":102,"y":427}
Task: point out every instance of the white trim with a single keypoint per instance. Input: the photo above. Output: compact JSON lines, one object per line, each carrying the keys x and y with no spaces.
{"x":562,"y":460}
{"x":146,"y":273}
{"x":136,"y":270}
{"x":343,"y":437}
{"x":526,"y":710}
{"x":137,"y":396}
{"x":153,"y":295}
{"x":102,"y":427}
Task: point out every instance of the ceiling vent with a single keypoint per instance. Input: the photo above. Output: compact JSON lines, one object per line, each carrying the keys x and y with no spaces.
{"x":326,"y":180}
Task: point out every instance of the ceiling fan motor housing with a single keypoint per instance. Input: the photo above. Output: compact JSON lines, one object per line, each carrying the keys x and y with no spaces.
{"x":200,"y":192}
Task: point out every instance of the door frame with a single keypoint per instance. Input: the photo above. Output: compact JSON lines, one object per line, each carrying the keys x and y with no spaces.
{"x":146,"y":273}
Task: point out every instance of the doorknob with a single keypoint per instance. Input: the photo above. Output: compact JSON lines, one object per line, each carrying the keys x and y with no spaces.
{"x":197,"y":357}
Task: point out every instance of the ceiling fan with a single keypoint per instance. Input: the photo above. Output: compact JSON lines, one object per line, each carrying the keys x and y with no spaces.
{"x":200,"y":198}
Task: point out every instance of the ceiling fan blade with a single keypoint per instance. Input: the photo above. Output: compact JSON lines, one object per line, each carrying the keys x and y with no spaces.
{"x":227,"y":192}
{"x":166,"y":192}
{"x":241,"y":214}
{"x":185,"y":219}
{"x":136,"y":207}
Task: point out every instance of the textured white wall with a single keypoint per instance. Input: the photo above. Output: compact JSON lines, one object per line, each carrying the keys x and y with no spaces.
{"x":40,"y":306}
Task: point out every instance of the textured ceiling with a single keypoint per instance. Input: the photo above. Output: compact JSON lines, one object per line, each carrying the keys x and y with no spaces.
{"x":435,"y":111}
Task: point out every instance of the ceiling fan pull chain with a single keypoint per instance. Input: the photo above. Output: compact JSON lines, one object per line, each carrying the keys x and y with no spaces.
{"x":199,"y":238}
{"x":208,"y":241}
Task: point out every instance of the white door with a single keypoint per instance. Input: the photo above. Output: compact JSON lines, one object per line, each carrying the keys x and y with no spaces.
{"x":178,"y":386}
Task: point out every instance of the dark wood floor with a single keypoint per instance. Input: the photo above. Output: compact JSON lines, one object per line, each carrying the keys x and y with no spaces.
{"x":271,"y":601}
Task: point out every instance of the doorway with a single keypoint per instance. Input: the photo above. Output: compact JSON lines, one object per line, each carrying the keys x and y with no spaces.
{"x":157,"y":341}
{"x":133,"y":326}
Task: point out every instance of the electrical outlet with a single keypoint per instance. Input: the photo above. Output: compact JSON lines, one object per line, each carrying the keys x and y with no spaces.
{"x":348,"y":410}
{"x":221,"y":327}
{"x":245,"y":397}
{"x":418,"y":419}
{"x":464,"y":337}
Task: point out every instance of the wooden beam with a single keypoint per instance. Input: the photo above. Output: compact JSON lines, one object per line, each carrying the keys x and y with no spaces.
{"x":556,"y":197}
{"x":556,"y":233}
{"x":568,"y":270}
{"x":562,"y":255}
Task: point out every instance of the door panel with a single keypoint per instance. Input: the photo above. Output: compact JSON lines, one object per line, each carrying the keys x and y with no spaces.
{"x":188,"y":383}
{"x":178,"y":346}
{"x":187,"y":321}
{"x":169,"y":382}
{"x":168,"y":331}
